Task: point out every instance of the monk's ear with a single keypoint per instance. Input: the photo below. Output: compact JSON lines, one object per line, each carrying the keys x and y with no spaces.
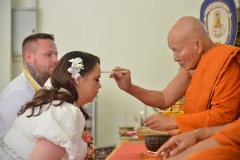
{"x":198,"y":45}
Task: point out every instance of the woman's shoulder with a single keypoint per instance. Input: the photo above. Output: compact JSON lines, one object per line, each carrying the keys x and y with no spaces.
{"x":62,"y":125}
{"x":63,"y":118}
{"x":64,"y":108}
{"x":65,"y":105}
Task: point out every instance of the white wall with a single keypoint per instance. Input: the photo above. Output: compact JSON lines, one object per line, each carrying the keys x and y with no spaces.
{"x":126,"y":33}
{"x":5,"y":43}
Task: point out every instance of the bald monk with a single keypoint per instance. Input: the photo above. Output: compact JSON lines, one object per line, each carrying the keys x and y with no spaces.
{"x":222,"y":142}
{"x":209,"y":80}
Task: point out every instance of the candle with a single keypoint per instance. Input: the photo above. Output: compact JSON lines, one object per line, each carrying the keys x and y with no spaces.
{"x":125,"y":119}
{"x":141,"y":117}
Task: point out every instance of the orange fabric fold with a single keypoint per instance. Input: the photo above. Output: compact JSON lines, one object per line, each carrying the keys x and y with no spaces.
{"x":213,"y":95}
{"x":230,"y":135}
{"x":217,"y":153}
{"x":229,"y":139}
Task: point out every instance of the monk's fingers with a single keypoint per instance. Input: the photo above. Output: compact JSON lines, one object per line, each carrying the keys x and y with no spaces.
{"x":152,"y":125}
{"x":150,"y":118}
{"x":168,"y":146}
{"x":177,"y":149}
{"x":121,"y":74}
{"x":121,"y":71}
{"x":149,"y":122}
{"x":165,"y":154}
{"x":160,"y":152}
{"x":116,"y":75}
{"x":174,"y":152}
{"x":112,"y":75}
{"x":174,"y":132}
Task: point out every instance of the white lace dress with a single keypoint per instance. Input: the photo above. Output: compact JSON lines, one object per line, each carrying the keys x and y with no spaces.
{"x":62,"y":125}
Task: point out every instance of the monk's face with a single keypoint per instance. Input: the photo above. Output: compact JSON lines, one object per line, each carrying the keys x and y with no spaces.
{"x":184,"y":50}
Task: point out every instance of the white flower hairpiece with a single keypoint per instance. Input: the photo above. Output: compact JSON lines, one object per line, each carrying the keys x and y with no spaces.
{"x":76,"y":67}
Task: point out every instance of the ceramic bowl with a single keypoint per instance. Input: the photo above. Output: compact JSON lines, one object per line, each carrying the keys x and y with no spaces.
{"x":154,"y":142}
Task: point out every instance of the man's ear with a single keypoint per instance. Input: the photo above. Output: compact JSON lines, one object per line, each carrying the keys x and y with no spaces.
{"x":28,"y":57}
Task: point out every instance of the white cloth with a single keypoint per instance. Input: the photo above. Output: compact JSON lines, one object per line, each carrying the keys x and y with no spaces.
{"x":16,"y":94}
{"x":62,"y":125}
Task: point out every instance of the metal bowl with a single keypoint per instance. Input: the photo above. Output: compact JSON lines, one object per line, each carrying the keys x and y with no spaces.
{"x":123,"y":130}
{"x":154,"y":142}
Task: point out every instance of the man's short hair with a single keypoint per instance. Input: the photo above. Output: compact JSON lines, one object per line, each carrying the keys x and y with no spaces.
{"x":35,"y":37}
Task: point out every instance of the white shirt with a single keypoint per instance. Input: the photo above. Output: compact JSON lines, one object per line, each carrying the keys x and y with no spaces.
{"x":63,"y":125}
{"x":16,"y":94}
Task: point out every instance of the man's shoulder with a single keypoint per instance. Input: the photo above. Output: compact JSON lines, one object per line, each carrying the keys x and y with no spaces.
{"x":17,"y":84}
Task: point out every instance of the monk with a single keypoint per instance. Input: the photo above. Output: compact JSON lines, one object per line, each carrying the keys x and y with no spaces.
{"x":208,"y":80}
{"x":224,"y":144}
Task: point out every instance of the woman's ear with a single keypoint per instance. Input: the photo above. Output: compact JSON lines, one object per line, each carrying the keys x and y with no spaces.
{"x":78,"y":81}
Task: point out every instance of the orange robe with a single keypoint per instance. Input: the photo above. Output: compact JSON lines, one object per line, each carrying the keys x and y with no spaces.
{"x":213,"y":96}
{"x":229,"y":138}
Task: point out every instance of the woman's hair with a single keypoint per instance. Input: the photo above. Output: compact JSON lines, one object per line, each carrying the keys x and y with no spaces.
{"x":62,"y":80}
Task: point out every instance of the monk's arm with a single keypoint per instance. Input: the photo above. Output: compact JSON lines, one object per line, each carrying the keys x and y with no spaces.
{"x":227,"y":135}
{"x":167,"y":97}
{"x":203,"y":145}
{"x":178,"y":143}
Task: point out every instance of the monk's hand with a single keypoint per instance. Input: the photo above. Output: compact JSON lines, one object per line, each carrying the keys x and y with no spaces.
{"x":200,"y":146}
{"x":122,"y":77}
{"x":160,"y":122}
{"x":178,"y":143}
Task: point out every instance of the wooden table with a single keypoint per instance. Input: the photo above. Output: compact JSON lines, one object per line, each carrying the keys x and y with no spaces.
{"x":128,"y":150}
{"x":131,"y":150}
